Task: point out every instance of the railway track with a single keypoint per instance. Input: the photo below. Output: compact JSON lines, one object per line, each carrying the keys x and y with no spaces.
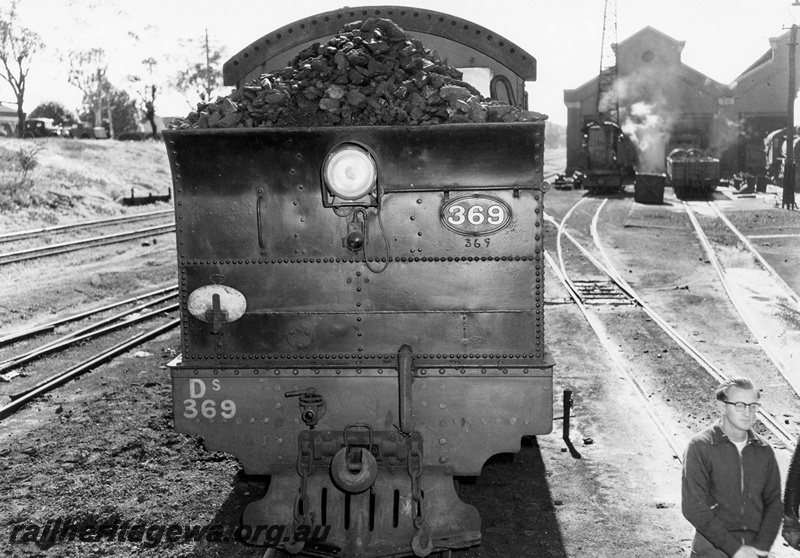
{"x":529,"y":520}
{"x":624,"y":294}
{"x":756,"y":254}
{"x":34,"y":233}
{"x":106,"y":326}
{"x":21,"y":334}
{"x":710,"y":253}
{"x":600,"y":331}
{"x":726,"y":285}
{"x":20,"y":399}
{"x":61,"y":248}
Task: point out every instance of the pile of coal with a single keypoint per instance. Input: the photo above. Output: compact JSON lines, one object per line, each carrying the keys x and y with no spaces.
{"x":371,"y":73}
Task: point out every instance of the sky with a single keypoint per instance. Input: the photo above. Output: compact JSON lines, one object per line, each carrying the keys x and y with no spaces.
{"x":723,"y":37}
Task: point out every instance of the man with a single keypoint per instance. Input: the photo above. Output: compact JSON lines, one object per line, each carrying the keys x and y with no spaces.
{"x":731,"y":485}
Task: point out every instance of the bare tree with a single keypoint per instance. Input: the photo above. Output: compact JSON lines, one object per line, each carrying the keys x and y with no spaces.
{"x":204,"y":77}
{"x":87,"y":71}
{"x":147,"y":90}
{"x":17,"y":46}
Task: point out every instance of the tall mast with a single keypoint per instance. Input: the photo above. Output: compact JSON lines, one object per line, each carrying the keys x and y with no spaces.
{"x":607,"y":101}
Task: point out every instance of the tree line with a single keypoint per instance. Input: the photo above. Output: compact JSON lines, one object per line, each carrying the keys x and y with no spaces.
{"x":119,"y":107}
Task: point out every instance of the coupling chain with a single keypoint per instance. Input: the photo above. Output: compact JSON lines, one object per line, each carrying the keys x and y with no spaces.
{"x":305,"y":462}
{"x":419,"y":547}
{"x":415,"y":472}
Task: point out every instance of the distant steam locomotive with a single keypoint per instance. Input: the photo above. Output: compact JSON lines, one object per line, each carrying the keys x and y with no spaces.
{"x":775,"y":153}
{"x":608,"y":158}
{"x":362,"y":307}
{"x":603,"y":168}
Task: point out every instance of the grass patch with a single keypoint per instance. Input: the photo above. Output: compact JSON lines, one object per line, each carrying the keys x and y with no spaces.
{"x":75,"y":179}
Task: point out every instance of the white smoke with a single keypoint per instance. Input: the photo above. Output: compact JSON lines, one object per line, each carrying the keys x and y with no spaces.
{"x":649,"y":130}
{"x":724,"y":134}
{"x":648,"y":112}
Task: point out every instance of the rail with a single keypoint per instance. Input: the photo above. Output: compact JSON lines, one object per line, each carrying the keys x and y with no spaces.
{"x":768,"y":420}
{"x":19,"y":335}
{"x":601,"y":335}
{"x":89,"y":332}
{"x":712,"y":257}
{"x":53,"y":249}
{"x":743,"y":239}
{"x":31,"y":233}
{"x":100,"y":358}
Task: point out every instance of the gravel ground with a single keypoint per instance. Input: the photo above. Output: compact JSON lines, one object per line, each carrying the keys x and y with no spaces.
{"x":101,"y":450}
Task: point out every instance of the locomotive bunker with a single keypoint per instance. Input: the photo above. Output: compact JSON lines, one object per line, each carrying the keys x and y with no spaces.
{"x":387,"y":329}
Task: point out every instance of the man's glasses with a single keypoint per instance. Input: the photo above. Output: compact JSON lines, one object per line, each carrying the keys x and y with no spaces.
{"x":739,"y":406}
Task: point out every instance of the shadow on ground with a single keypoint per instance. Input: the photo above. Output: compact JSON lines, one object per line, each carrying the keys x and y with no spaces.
{"x":518,"y":516}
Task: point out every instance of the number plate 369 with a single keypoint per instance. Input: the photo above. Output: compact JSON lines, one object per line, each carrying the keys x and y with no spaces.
{"x":476,"y":215}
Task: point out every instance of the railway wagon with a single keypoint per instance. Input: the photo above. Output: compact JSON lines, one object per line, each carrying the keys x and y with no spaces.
{"x":691,"y":173}
{"x":362,"y":307}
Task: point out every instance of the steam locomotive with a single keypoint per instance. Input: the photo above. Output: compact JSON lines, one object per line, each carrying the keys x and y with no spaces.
{"x":775,"y":144}
{"x":362,"y":307}
{"x":607,"y":158}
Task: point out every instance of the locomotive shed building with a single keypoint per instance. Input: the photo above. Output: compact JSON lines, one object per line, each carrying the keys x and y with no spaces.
{"x":665,"y":103}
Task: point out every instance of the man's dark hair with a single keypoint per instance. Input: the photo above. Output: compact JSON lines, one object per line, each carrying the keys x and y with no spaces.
{"x":741,"y":383}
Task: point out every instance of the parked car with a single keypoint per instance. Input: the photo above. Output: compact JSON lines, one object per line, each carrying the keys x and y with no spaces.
{"x":43,"y":128}
{"x":84,"y":130}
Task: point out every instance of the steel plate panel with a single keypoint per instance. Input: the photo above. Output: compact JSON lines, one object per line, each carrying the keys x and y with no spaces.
{"x":261,"y":425}
{"x":326,"y":339}
{"x":255,"y":194}
{"x":404,"y":286}
{"x":413,"y":224}
{"x":427,"y":305}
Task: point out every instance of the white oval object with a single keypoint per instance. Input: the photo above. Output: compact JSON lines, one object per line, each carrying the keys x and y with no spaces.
{"x":475,"y":215}
{"x":350,"y":172}
{"x":231,"y":301}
